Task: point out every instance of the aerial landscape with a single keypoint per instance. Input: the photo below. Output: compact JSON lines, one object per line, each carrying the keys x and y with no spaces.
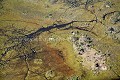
{"x":59,"y":39}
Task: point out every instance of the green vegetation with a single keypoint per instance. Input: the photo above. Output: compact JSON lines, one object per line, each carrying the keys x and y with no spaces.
{"x":28,"y":54}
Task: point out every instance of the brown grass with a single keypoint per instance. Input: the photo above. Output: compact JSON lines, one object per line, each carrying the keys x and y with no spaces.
{"x":55,"y":60}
